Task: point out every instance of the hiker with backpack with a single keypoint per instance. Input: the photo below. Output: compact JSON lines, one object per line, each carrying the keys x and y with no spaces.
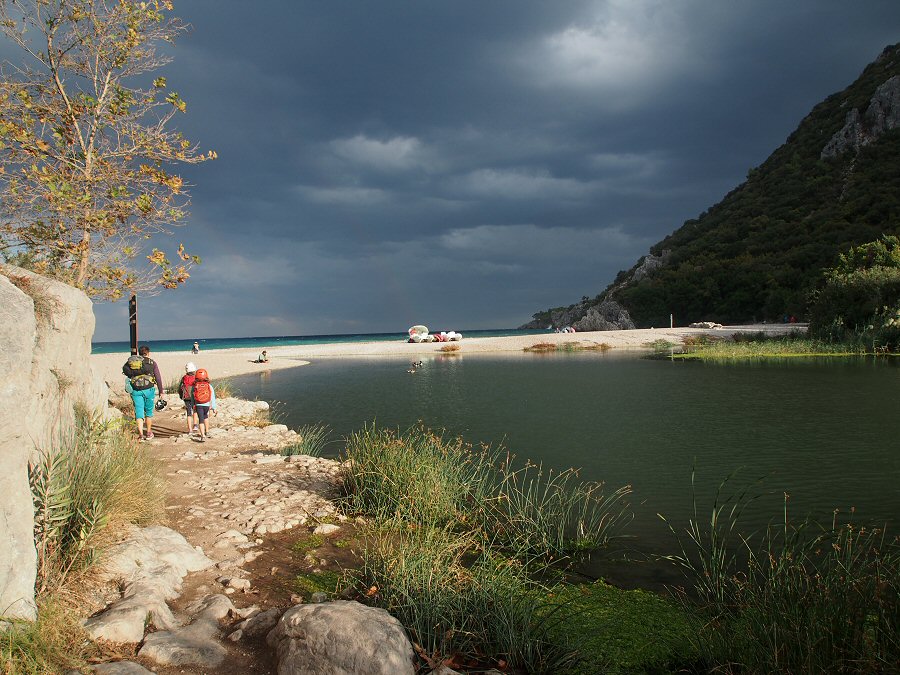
{"x":203,"y":396}
{"x":185,"y":391}
{"x":142,"y":376}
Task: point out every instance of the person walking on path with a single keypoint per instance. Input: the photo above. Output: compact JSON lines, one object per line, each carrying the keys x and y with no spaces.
{"x":203,"y":396}
{"x":143,"y":377}
{"x":185,"y":391}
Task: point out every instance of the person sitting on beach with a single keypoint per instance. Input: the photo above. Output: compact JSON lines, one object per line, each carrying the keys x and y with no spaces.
{"x":262,"y":358}
{"x":203,"y":398}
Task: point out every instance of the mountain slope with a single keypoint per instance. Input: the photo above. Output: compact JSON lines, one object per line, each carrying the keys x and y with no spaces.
{"x":756,"y":254}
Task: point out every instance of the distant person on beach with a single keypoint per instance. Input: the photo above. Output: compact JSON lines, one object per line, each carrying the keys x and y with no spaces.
{"x":185,"y":391}
{"x":262,"y":358}
{"x":203,"y":397}
{"x":196,"y":348}
{"x":142,"y":375}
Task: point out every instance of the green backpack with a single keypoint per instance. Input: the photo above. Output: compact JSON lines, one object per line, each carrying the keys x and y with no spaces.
{"x":139,"y":372}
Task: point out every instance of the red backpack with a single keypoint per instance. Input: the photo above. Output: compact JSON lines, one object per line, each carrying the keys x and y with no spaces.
{"x":202,"y":391}
{"x":187,"y":383}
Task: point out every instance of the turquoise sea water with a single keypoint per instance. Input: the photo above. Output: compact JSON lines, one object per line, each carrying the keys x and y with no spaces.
{"x":824,"y":432}
{"x":286,"y":340}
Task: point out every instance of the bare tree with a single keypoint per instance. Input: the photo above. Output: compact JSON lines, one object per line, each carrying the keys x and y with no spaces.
{"x":85,"y":146}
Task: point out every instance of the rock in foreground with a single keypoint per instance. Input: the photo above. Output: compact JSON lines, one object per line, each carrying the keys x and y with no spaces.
{"x":341,"y":638}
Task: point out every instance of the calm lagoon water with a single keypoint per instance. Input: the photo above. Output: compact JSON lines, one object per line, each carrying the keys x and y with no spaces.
{"x":825,"y":432}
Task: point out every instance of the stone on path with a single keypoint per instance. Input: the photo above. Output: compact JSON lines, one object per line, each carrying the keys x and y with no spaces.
{"x":151,"y":562}
{"x":326,"y":528}
{"x":196,"y":644}
{"x":340,"y":638}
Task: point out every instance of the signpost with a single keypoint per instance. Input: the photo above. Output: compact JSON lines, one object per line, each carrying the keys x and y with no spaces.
{"x":132,"y":322}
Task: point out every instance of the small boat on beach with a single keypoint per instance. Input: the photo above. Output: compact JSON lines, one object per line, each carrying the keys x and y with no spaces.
{"x":420,"y":334}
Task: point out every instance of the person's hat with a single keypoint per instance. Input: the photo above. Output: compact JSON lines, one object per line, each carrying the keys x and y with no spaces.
{"x":202,"y":374}
{"x":189,"y":367}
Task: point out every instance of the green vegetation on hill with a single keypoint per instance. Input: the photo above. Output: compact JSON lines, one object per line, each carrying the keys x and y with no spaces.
{"x":760,"y":252}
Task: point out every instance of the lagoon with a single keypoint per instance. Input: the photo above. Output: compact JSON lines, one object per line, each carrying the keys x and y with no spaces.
{"x":826,"y":432}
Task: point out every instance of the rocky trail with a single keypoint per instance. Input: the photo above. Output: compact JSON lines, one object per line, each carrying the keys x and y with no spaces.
{"x":255,"y":525}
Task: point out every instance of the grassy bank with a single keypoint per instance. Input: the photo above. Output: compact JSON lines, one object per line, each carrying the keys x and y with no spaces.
{"x":761,"y":346}
{"x":471,"y":552}
{"x":93,"y":481}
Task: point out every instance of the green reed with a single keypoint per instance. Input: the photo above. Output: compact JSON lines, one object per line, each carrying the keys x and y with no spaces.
{"x":457,"y":597}
{"x":802,"y":598}
{"x":465,"y":535}
{"x":314,"y":438}
{"x":421,"y":477}
{"x":553,"y":513}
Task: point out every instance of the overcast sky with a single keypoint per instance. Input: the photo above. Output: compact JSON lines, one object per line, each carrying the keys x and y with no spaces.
{"x":464,"y":164}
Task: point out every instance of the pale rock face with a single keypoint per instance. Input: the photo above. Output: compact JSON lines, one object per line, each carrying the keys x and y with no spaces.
{"x":151,"y":564}
{"x":341,"y":638}
{"x":608,"y":315}
{"x":860,"y":129}
{"x":45,"y":341}
{"x":18,"y":559}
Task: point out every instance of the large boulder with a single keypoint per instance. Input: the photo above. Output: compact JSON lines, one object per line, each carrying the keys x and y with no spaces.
{"x":18,"y":558}
{"x":45,"y":332}
{"x":341,"y":638}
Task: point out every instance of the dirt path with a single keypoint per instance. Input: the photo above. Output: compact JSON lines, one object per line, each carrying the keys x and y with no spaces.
{"x":252,"y":511}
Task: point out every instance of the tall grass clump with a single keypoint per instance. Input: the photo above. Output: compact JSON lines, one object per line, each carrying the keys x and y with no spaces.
{"x":418,"y":476}
{"x":224,"y":388}
{"x":465,"y":536}
{"x":55,"y":643}
{"x":314,"y":438}
{"x":552,"y":513}
{"x":424,"y":478}
{"x":94,"y":479}
{"x":800,"y":598}
{"x":459,"y":600}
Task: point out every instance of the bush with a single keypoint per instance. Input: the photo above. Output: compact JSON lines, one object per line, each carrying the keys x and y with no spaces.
{"x":861,"y":295}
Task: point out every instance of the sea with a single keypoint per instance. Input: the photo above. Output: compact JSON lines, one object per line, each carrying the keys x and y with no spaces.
{"x":272,"y":341}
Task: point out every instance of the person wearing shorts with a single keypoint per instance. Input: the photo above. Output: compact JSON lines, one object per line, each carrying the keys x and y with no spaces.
{"x":203,"y":409}
{"x":184,"y":391}
{"x":144,"y":400}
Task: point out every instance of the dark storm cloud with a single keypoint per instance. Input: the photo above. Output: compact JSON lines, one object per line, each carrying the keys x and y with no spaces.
{"x":465,"y":164}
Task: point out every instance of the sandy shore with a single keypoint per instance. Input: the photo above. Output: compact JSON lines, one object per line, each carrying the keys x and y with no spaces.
{"x":229,"y":362}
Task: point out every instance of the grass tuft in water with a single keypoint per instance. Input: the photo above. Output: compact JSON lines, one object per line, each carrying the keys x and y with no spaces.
{"x":314,"y":438}
{"x":801,"y":598}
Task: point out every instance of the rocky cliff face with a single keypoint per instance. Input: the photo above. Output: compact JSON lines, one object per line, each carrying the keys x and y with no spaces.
{"x":861,"y":129}
{"x":45,"y":333}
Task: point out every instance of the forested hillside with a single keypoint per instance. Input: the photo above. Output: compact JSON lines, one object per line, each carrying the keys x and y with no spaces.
{"x":758,"y":253}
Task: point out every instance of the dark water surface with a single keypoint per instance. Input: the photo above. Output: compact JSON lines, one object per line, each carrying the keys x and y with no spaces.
{"x":826,"y":432}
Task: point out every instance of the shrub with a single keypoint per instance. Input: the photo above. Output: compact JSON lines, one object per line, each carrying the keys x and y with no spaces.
{"x":861,"y":294}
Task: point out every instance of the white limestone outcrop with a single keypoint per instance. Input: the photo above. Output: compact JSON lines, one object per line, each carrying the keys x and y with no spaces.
{"x":45,"y":341}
